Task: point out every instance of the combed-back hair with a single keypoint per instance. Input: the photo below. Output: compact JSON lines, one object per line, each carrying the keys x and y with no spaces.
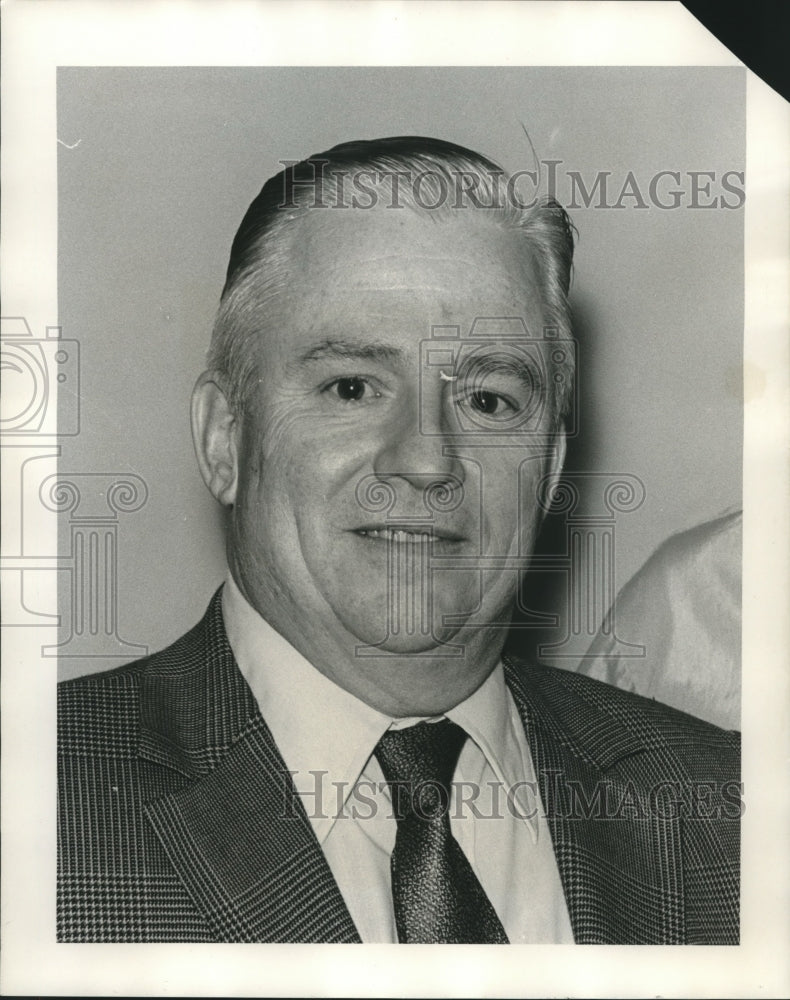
{"x":441,"y":178}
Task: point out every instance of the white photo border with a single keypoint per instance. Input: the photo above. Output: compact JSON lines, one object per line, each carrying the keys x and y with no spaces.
{"x":41,"y":36}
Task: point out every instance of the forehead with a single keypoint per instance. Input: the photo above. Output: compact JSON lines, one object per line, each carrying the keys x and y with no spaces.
{"x":392,"y":274}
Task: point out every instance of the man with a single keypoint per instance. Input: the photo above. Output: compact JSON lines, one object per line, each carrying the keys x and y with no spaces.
{"x":338,"y":751}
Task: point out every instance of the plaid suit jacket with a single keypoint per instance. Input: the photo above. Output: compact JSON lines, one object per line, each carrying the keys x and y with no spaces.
{"x":178,"y":823}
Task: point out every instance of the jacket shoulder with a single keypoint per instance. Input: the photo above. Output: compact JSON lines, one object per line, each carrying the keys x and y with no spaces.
{"x":590,"y":708}
{"x":101,"y":710}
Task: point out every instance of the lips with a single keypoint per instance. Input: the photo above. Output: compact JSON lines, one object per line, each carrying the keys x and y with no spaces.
{"x":405,"y":535}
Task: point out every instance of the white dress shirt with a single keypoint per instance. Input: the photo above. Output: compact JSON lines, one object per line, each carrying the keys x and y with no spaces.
{"x":327,"y":736}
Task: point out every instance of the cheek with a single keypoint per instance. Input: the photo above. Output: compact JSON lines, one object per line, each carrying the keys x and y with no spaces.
{"x":301,"y":492}
{"x":510,"y":508}
{"x":327,"y":468}
{"x":502,"y":522}
{"x":263,"y":481}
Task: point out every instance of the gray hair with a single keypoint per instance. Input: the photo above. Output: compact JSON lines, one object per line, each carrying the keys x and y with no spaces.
{"x":259,"y":268}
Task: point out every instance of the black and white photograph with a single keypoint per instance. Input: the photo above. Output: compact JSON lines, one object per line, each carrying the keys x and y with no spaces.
{"x":378,"y":468}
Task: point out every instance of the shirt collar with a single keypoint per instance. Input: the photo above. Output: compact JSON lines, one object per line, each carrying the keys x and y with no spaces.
{"x":326,"y":735}
{"x":485,"y":716}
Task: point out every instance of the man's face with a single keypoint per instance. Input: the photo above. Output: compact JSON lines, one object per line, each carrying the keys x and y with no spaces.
{"x":366,"y":466}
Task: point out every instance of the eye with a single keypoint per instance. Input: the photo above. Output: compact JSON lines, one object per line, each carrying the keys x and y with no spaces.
{"x":483,"y":404}
{"x":488,"y":403}
{"x":351,"y":389}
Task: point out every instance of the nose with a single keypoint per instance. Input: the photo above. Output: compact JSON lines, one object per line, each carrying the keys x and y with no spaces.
{"x":418,"y":445}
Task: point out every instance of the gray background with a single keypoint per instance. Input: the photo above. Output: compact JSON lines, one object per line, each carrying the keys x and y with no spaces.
{"x":167,"y":161}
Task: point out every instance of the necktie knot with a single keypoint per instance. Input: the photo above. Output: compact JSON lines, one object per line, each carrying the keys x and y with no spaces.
{"x":418,"y":764}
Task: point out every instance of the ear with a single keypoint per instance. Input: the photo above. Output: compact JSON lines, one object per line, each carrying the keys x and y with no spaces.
{"x":215,"y":431}
{"x":556,"y":460}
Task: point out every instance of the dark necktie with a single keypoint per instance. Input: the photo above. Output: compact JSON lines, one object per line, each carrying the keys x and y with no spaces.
{"x":437,"y":897}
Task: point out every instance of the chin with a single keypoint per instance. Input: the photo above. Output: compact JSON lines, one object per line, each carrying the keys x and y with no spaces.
{"x":411,"y":638}
{"x":417,"y":645}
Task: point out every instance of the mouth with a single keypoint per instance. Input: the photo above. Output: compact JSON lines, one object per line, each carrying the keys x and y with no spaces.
{"x":403,"y":535}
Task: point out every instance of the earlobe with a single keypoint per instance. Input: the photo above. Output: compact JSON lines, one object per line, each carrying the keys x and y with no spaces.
{"x":558,"y":457}
{"x":215,"y":436}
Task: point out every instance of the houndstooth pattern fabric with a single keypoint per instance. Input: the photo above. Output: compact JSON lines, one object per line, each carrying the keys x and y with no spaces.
{"x":177,"y":819}
{"x":643,"y":803}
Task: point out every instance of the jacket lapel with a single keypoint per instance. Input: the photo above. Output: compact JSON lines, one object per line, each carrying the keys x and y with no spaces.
{"x":620,"y":865}
{"x":235,"y":832}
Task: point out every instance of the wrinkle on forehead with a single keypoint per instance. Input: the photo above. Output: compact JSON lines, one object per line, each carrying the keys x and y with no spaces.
{"x":406,"y":244}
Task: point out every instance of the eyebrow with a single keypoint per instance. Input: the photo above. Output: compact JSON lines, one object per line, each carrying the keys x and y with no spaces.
{"x":347,"y":350}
